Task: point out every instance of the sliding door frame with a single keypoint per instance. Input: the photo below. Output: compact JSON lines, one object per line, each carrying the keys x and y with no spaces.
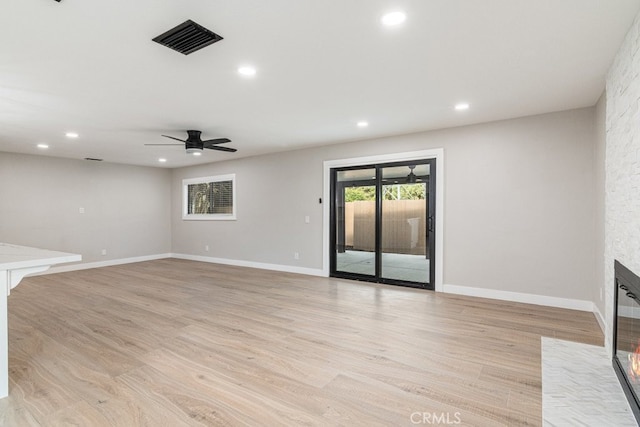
{"x":336,"y":244}
{"x":437,"y":154}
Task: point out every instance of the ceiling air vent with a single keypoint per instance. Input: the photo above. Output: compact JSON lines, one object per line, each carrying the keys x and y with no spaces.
{"x":187,"y":37}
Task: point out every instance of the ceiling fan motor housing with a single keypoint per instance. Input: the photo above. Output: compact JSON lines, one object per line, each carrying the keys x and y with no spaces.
{"x":193,"y":143}
{"x":194,"y":136}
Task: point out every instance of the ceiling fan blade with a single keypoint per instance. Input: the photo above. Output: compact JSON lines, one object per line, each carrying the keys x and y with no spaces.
{"x":166,"y":144}
{"x":216,"y":141}
{"x":227,"y":149}
{"x":167,"y":136}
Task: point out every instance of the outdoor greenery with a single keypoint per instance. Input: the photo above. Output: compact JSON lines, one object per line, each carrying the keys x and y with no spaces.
{"x":390,"y":192}
{"x":354,"y":194}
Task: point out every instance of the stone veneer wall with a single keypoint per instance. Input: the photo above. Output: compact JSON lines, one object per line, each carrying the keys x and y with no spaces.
{"x":622,"y":179}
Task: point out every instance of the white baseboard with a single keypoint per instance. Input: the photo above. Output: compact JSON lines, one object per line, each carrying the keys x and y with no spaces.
{"x":265,"y":266}
{"x":600,"y":319}
{"x":572,"y":304}
{"x":226,"y":261}
{"x":107,"y":263}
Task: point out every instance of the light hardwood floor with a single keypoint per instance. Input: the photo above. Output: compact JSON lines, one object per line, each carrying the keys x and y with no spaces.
{"x":182,"y":343}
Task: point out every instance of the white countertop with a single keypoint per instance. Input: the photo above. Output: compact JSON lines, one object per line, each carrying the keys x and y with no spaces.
{"x":15,"y":263}
{"x":13,"y":257}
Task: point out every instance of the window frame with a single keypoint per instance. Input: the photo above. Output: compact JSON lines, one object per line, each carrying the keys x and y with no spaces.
{"x":212,"y":216}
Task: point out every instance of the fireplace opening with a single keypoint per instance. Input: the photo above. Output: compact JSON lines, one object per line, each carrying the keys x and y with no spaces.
{"x":626,"y":335}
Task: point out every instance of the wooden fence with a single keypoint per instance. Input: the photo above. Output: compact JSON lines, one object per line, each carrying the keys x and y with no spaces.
{"x":403,"y":226}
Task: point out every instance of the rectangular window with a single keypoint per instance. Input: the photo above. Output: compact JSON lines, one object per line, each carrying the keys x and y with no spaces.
{"x":209,"y":198}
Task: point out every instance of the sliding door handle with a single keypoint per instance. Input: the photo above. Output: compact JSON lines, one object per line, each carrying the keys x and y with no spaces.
{"x":430,"y":223}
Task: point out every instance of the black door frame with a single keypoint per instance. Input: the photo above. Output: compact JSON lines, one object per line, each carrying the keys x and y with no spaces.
{"x":430,"y":229}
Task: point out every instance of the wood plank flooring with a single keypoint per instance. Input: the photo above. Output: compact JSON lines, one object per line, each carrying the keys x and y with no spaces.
{"x":182,"y":343}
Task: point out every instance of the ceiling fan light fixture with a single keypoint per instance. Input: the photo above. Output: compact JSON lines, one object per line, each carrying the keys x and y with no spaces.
{"x":196,"y":151}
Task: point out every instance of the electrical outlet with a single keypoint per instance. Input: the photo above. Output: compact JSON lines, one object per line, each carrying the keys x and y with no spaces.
{"x":296,"y":255}
{"x":307,"y":220}
{"x":81,"y":210}
{"x":104,"y":252}
{"x":206,"y":248}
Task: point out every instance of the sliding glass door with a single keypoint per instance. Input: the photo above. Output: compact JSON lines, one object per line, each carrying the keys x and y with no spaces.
{"x":404,"y":223}
{"x":355,"y":219}
{"x":382,"y":224}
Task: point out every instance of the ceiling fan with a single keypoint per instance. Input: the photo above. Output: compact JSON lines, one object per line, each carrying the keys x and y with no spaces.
{"x":194,"y":144}
{"x":412,"y":178}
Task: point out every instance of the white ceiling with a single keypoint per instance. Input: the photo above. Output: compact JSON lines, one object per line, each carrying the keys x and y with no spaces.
{"x":322,"y":66}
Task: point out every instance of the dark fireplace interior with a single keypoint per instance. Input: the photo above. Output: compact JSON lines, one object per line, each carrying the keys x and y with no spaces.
{"x":626,"y":337}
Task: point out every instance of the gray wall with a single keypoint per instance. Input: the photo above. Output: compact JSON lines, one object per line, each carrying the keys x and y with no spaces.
{"x":126,"y":207}
{"x":519,"y":204}
{"x":274,"y":194}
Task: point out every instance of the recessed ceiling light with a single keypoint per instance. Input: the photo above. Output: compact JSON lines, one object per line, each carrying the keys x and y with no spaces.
{"x":43,"y":146}
{"x":197,"y":153}
{"x":162,"y":160}
{"x":462,"y":106}
{"x":71,"y":135}
{"x":363,"y":124}
{"x":247,"y":71}
{"x":393,"y":18}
